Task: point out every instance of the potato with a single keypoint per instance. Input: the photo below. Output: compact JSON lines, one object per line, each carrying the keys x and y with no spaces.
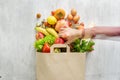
{"x":70,"y":17}
{"x":76,"y":18}
{"x":73,"y":12}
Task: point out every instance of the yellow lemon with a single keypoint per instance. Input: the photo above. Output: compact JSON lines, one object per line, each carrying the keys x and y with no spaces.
{"x":51,"y":20}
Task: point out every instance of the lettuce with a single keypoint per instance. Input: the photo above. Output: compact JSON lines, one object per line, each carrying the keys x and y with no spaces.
{"x":82,"y":46}
{"x":47,"y":39}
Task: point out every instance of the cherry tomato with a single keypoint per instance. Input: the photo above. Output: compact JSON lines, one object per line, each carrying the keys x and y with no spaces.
{"x":52,"y":12}
{"x":69,"y":24}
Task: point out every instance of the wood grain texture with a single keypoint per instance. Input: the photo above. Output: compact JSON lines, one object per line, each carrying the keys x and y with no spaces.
{"x":17,"y":21}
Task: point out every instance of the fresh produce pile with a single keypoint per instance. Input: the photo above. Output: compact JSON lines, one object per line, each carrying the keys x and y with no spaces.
{"x":48,"y":29}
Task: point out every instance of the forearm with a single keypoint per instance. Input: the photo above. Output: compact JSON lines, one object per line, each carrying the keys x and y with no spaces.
{"x":108,"y":31}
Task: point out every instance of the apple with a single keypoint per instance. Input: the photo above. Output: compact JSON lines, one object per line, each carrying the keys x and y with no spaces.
{"x":39,"y":35}
{"x":59,"y":41}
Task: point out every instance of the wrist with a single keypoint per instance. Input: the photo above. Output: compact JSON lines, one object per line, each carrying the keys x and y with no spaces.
{"x":89,"y":33}
{"x":94,"y":32}
{"x":81,"y":33}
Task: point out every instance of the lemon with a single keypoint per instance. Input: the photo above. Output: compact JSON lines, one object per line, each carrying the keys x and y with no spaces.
{"x":51,"y":20}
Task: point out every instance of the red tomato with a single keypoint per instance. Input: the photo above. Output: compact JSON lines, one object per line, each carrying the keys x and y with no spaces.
{"x":69,"y":24}
{"x":59,"y":41}
{"x":52,"y":12}
{"x":39,"y":35}
{"x":46,"y":48}
{"x":46,"y":23}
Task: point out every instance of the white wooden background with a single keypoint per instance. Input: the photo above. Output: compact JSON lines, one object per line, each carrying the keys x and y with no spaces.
{"x":17,"y":21}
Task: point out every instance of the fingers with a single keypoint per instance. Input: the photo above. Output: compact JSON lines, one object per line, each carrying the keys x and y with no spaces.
{"x":63,"y":32}
{"x":70,"y":41}
{"x":63,"y":29}
{"x":63,"y":35}
{"x":60,"y":35}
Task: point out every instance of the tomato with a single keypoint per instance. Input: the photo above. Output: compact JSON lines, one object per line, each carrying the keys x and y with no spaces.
{"x":52,"y":12}
{"x":46,"y":48}
{"x":39,"y":35}
{"x":59,"y":41}
{"x":69,"y":24}
{"x":46,"y":23}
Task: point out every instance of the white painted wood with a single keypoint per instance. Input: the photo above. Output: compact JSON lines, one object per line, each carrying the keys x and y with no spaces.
{"x":17,"y":21}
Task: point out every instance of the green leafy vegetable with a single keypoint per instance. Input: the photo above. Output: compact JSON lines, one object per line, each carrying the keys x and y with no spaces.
{"x":82,"y":46}
{"x":49,"y":39}
{"x":39,"y":43}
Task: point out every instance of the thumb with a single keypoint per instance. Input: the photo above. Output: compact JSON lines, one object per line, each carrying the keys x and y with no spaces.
{"x":71,"y":40}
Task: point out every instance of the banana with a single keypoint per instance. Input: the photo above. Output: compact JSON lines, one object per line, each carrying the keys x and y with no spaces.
{"x":52,"y":31}
{"x":42,"y":30}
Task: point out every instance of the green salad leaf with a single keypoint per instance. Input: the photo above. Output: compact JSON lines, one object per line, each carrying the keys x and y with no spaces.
{"x":47,"y":39}
{"x":82,"y":46}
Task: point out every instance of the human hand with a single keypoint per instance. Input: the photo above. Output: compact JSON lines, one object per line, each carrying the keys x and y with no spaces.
{"x":70,"y":34}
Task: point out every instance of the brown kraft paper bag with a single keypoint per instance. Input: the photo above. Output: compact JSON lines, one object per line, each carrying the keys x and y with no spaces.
{"x":60,"y":66}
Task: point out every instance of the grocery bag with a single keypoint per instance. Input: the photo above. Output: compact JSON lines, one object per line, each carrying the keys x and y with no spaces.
{"x":60,"y":66}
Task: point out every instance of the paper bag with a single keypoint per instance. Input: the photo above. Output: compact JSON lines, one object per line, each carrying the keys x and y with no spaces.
{"x":60,"y":66}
